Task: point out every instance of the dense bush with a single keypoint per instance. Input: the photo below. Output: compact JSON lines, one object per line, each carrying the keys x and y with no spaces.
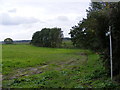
{"x":8,"y":41}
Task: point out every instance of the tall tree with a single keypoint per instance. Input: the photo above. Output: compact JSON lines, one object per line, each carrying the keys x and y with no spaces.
{"x":90,"y":33}
{"x":115,"y":23}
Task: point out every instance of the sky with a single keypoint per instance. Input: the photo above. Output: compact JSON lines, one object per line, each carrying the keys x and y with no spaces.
{"x":19,"y":19}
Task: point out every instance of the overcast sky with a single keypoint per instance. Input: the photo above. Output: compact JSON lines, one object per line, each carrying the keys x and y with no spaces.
{"x":19,"y":19}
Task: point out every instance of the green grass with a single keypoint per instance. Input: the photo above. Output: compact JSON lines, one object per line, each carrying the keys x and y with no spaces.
{"x":26,"y":66}
{"x":21,"y":56}
{"x":67,"y":44}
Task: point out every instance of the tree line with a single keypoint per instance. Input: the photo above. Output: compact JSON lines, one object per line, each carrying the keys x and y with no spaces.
{"x":90,"y":33}
{"x":48,"y":37}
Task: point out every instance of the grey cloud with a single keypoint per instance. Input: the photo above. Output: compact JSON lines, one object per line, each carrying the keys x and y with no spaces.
{"x":65,"y":8}
{"x":12,"y":10}
{"x":54,"y":6}
{"x":8,"y":20}
{"x":42,"y":1}
{"x":62,"y":18}
{"x":69,"y":12}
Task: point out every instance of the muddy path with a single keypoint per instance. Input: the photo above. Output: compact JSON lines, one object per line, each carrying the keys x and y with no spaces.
{"x":59,"y":65}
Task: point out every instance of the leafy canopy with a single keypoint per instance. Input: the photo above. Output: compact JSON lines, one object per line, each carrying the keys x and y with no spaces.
{"x":48,"y":37}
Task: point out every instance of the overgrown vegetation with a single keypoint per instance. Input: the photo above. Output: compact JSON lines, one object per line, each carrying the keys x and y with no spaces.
{"x":67,"y":44}
{"x":37,"y":67}
{"x":90,"y":33}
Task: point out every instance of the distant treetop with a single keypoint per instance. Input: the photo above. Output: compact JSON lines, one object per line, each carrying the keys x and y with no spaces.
{"x":8,"y":41}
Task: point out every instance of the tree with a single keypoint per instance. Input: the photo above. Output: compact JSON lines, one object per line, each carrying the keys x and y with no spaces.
{"x":114,"y":22}
{"x":8,"y":41}
{"x":48,"y":37}
{"x":90,"y":33}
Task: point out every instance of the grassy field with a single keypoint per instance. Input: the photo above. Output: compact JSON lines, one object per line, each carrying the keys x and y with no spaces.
{"x":67,"y":44}
{"x":26,"y":66}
